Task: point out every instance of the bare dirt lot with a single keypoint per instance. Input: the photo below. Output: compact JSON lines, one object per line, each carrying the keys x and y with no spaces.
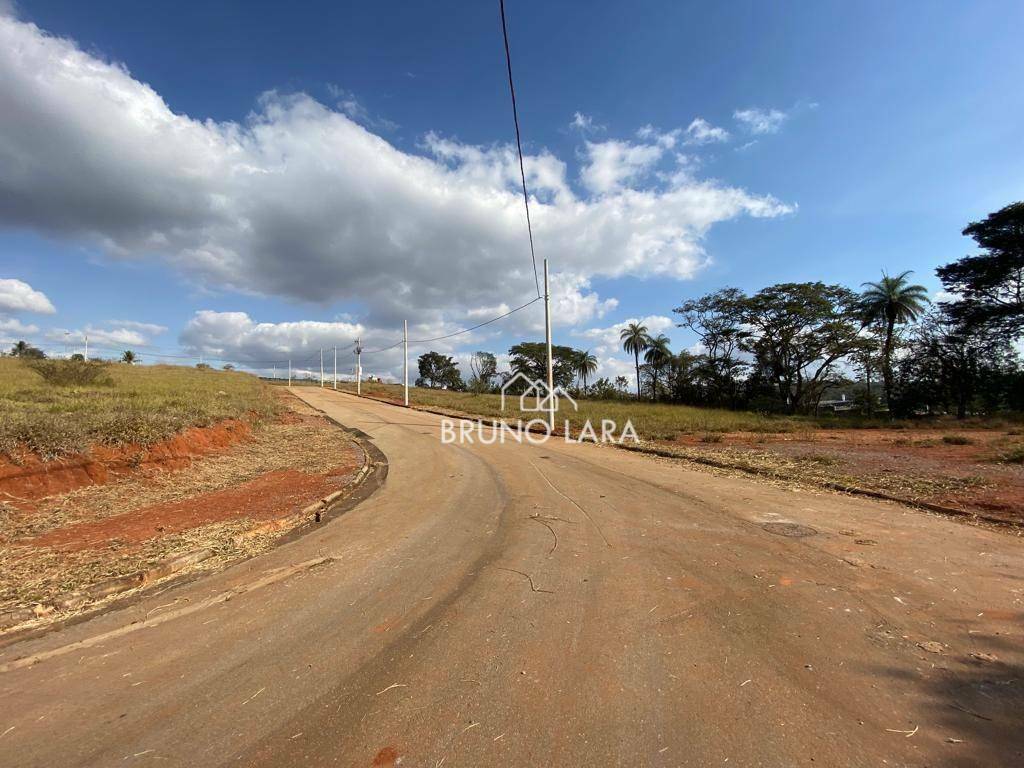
{"x":960,"y":469}
{"x":228,"y":502}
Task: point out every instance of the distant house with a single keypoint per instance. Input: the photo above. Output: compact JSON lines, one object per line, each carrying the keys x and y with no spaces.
{"x":842,"y":405}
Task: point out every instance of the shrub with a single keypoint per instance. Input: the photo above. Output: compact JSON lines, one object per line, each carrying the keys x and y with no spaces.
{"x":72,"y":373}
{"x":1014,"y":455}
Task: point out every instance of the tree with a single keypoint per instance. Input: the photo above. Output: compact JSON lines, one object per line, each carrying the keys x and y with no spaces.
{"x":128,"y":357}
{"x":438,"y":371}
{"x":890,"y":301}
{"x":530,"y":358}
{"x":585,"y":365}
{"x":658,"y":356}
{"x":603,"y":389}
{"x":797,"y":333}
{"x":990,"y":287}
{"x":717,"y":320}
{"x":24,"y":349}
{"x":635,"y":341}
{"x":483,"y":367}
{"x":951,"y":366}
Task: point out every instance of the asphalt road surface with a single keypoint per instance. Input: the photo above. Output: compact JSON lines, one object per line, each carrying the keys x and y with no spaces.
{"x":556,"y":605}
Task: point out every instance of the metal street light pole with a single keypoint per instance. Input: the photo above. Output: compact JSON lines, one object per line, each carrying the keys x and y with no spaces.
{"x":547,"y":338}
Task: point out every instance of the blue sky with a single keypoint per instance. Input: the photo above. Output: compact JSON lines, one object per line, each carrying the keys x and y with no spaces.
{"x":816,"y":141}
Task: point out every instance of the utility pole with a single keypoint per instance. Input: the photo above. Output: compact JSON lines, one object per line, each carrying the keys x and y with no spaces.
{"x":405,"y":367}
{"x":275,"y":371}
{"x":335,"y":367}
{"x":289,"y":372}
{"x":359,"y":368}
{"x":86,"y":356}
{"x":547,"y":338}
{"x":321,"y":367}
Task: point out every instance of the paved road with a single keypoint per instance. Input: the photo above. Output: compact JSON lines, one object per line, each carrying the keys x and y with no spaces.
{"x":562,"y":605}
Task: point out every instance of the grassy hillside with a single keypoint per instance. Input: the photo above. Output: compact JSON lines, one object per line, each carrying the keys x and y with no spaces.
{"x":125,"y":404}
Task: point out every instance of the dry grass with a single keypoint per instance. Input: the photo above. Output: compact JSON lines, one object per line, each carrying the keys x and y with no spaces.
{"x":656,"y":421}
{"x":31,"y":575}
{"x":822,"y":470}
{"x":652,"y":421}
{"x":140,"y":404}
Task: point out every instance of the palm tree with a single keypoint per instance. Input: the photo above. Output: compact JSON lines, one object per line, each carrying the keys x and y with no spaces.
{"x":20,"y":349}
{"x":658,"y":355}
{"x":890,"y":301}
{"x":584,"y":364}
{"x":635,"y":339}
{"x":128,"y":357}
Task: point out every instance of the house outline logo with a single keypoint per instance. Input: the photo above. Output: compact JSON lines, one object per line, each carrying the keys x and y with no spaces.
{"x":537,"y":390}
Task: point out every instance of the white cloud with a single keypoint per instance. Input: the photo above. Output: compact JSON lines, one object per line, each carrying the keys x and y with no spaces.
{"x":116,"y":334}
{"x":664,"y":139}
{"x":606,"y":340}
{"x":150,"y":329}
{"x":302,"y":202}
{"x":12,"y":325}
{"x":236,"y":336}
{"x":700,"y":131}
{"x":584,"y":123}
{"x":607,"y":346}
{"x":19,"y":296}
{"x":760,"y":121}
{"x":612,"y":165}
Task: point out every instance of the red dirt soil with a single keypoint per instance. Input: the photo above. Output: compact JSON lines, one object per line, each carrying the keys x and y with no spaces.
{"x":273,"y":495}
{"x":31,"y":478}
{"x":918,"y":452}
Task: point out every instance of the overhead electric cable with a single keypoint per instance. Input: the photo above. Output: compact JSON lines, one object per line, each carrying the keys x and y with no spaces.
{"x":519,"y":145}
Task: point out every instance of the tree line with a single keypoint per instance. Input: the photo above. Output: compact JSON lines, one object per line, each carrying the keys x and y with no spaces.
{"x":788,"y":347}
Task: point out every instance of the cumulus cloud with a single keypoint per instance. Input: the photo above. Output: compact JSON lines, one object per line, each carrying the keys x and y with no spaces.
{"x":19,"y":296}
{"x":759,"y":121}
{"x":612,"y":165}
{"x":236,"y":337}
{"x":301,"y":201}
{"x":13,"y":326}
{"x":117,"y":334}
{"x":150,"y":329}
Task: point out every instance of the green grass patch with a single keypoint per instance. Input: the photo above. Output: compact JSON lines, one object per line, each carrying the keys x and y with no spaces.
{"x":58,"y":411}
{"x":1012,"y":455}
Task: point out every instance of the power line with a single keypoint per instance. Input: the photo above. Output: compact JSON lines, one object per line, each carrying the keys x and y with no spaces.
{"x":455,"y":333}
{"x":478,"y":325}
{"x":519,"y":144}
